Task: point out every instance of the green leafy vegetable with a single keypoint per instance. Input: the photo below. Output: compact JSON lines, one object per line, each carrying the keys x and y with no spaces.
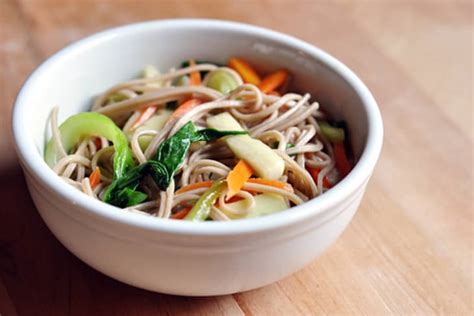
{"x":162,"y":167}
{"x":131,"y":197}
{"x":83,"y":125}
{"x":172,"y":151}
{"x":122,"y":191}
{"x":202,"y":208}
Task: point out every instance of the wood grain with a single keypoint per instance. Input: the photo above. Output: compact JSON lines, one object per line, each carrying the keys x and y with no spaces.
{"x":409,"y":250}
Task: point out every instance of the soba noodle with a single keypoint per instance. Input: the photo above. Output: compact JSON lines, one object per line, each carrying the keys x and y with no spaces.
{"x":286,"y":123}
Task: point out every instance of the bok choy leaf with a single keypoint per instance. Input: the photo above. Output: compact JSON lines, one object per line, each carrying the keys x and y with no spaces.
{"x":83,"y":125}
{"x":162,"y":167}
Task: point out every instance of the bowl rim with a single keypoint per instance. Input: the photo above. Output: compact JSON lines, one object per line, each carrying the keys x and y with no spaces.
{"x":34,"y":163}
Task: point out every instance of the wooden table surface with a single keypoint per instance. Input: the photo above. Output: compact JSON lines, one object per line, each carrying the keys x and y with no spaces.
{"x":409,"y":249}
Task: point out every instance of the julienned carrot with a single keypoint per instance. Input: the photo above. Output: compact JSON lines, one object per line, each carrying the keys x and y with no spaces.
{"x":273,"y":81}
{"x":340,"y":156}
{"x":182,"y":213}
{"x":194,"y":186}
{"x":237,"y":178}
{"x":315,"y":173}
{"x":94,"y":177}
{"x":248,"y":74}
{"x":144,"y":116}
{"x":273,"y":183}
{"x":183,"y":108}
{"x":195,"y":76}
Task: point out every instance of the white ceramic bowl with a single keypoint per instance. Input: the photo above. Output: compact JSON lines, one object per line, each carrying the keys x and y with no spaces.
{"x":178,"y":257}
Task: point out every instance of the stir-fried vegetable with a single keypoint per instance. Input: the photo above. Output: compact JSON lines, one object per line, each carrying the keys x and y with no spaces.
{"x":202,"y":208}
{"x":182,"y":81}
{"x":162,"y":167}
{"x":181,"y":213}
{"x":94,"y":177}
{"x":221,"y":81}
{"x":154,"y":123}
{"x":123,"y":191}
{"x":266,"y":163}
{"x":266,"y":203}
{"x":184,"y":107}
{"x":248,"y":74}
{"x":195,"y":76}
{"x":315,"y":173}
{"x":331,"y":133}
{"x":172,"y":151}
{"x":149,"y":71}
{"x":88,"y":124}
{"x":273,"y":81}
{"x":273,"y":183}
{"x":116,"y":97}
{"x":194,"y":186}
{"x":342,"y":162}
{"x":237,"y":178}
{"x":144,"y":116}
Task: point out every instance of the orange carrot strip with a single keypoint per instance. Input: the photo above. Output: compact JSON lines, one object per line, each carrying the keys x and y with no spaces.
{"x":273,"y":81}
{"x":182,"y":213}
{"x":144,"y":116}
{"x":340,"y":156}
{"x":248,"y":74}
{"x":315,"y":173}
{"x":94,"y":177}
{"x":237,"y":178}
{"x":273,"y":183}
{"x":195,"y":76}
{"x":183,"y":108}
{"x":194,"y":186}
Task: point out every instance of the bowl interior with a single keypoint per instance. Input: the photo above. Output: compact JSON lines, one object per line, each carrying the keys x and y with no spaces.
{"x":78,"y":73}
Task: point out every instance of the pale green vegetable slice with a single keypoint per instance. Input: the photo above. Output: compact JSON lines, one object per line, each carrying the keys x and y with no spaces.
{"x":265,"y":203}
{"x":182,"y":81}
{"x":150,"y":71}
{"x":331,"y":133}
{"x":266,"y":163}
{"x":221,"y":81}
{"x":155,"y":123}
{"x":87,"y":124}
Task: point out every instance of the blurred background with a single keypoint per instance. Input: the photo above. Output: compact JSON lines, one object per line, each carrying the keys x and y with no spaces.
{"x":409,"y":248}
